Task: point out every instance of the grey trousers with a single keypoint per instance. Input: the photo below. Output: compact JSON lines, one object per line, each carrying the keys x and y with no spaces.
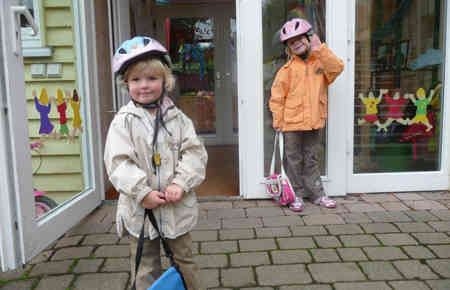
{"x":301,"y":162}
{"x":150,"y":266}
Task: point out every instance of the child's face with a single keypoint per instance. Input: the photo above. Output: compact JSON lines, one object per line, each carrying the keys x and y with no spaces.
{"x":298,"y":45}
{"x":144,"y":86}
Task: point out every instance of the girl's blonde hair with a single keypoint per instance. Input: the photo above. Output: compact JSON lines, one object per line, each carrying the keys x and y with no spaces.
{"x":155,"y":66}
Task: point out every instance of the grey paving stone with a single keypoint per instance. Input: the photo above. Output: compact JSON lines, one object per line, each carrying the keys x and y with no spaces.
{"x":238,"y":277}
{"x":257,"y":245}
{"x":380,"y":271}
{"x":100,"y":281}
{"x":362,"y":286}
{"x":282,"y":274}
{"x":359,"y":240}
{"x":352,"y":254}
{"x":266,"y":203}
{"x":103,"y":239}
{"x":396,"y":239}
{"x":88,"y":265}
{"x":238,"y":234}
{"x":15,"y":274}
{"x":355,"y":218}
{"x":55,"y":282}
{"x":19,"y":285}
{"x":211,"y":261}
{"x":442,"y":267}
{"x":308,"y":230}
{"x":324,"y":219}
{"x":279,"y":221}
{"x":436,"y":195}
{"x":363,"y":207}
{"x":425,"y":205}
{"x":416,"y":227}
{"x":72,"y":253}
{"x":42,"y":257}
{"x":249,"y":259}
{"x":379,"y":197}
{"x":441,"y":226}
{"x":59,"y":267}
{"x":327,"y":242}
{"x":384,"y":253}
{"x":439,"y":284}
{"x":218,"y":247}
{"x":244,"y":203}
{"x":209,"y":278}
{"x":208,"y":224}
{"x":112,"y":251}
{"x":68,"y":241}
{"x":325,"y":255}
{"x":388,"y":216}
{"x":432,"y":238}
{"x":306,"y":287}
{"x":273,"y":232}
{"x":443,"y":214}
{"x":442,"y":251}
{"x":226,"y":213}
{"x":421,"y":215}
{"x":409,"y":285}
{"x":394,"y":206}
{"x":409,"y":196}
{"x":335,"y":272}
{"x":97,"y":222}
{"x":379,"y":228}
{"x":413,"y":269}
{"x":215,"y":205}
{"x":348,"y":229}
{"x":202,"y":236}
{"x":117,"y":265}
{"x":247,"y":223}
{"x":296,"y":243}
{"x":418,"y":252}
{"x":264,"y":212}
{"x":290,"y":257}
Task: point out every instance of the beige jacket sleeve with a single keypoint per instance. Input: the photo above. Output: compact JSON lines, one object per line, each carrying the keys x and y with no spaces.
{"x":191,"y":168}
{"x":121,"y":162}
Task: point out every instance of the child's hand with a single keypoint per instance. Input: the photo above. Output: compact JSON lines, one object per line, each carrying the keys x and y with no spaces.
{"x":315,"y":42}
{"x":153,"y":200}
{"x":174,"y":192}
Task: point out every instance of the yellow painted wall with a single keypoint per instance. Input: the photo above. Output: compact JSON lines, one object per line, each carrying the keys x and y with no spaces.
{"x":58,"y":166}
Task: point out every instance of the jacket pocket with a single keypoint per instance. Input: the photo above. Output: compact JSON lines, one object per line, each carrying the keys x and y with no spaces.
{"x":323,"y":106}
{"x":293,"y":115}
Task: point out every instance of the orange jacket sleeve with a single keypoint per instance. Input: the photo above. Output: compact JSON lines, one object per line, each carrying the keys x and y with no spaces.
{"x":332,"y":65}
{"x":280,"y":88}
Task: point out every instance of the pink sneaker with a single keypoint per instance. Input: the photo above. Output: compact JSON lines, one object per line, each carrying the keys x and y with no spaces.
{"x":325,"y":202}
{"x":297,"y":205}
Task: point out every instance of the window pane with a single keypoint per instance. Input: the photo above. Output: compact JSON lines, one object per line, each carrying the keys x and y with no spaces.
{"x":398,"y":74}
{"x":275,"y":14}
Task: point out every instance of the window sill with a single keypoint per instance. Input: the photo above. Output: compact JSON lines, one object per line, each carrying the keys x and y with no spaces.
{"x":37,"y":52}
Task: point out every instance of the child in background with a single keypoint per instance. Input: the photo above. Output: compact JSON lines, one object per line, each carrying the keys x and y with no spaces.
{"x":154,"y":159}
{"x":299,"y":107}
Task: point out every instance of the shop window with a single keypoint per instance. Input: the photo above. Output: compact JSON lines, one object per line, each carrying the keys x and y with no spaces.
{"x":398,"y":75}
{"x":275,"y":13}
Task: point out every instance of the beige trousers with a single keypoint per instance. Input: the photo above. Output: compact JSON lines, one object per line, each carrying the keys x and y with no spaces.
{"x":150,"y":267}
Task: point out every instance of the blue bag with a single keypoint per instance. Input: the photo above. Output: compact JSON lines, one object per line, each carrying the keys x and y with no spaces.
{"x":170,"y":279}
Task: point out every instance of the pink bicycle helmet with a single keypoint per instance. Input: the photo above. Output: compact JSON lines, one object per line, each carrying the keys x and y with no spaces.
{"x":294,"y":27}
{"x":135,"y":49}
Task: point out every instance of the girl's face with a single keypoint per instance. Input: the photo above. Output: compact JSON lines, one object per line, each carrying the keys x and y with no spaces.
{"x":299,"y":44}
{"x":144,"y":86}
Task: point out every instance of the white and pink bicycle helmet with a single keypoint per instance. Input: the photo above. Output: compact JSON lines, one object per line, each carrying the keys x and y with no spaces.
{"x":294,"y":27}
{"x":135,"y":49}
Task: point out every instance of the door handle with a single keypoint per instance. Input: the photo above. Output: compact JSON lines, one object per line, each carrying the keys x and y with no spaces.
{"x":16,"y":11}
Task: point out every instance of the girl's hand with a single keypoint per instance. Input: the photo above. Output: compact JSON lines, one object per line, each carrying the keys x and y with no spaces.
{"x":153,"y":200}
{"x":315,"y":42}
{"x":173,"y":193}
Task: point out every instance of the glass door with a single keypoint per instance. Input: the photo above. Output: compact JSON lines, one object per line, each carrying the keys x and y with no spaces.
{"x":399,"y":113}
{"x":55,"y":163}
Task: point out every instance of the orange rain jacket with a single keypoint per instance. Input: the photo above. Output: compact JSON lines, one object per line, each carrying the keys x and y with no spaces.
{"x":299,"y":100}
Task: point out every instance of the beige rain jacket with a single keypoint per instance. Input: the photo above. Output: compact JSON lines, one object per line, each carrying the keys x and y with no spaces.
{"x":128,"y":160}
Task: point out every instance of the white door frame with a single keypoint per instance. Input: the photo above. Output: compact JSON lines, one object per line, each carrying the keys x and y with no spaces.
{"x":34,"y":235}
{"x":250,"y":98}
{"x":391,"y":182}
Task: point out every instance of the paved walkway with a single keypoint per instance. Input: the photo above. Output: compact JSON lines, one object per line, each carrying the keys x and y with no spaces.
{"x":376,"y":241}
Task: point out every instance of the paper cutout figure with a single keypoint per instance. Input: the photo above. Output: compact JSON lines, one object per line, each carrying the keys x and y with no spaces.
{"x":418,"y":131}
{"x":61,"y":106}
{"x":395,"y":112}
{"x":371,"y":108}
{"x":75,"y":104}
{"x":43,"y":107}
{"x":421,"y":103}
